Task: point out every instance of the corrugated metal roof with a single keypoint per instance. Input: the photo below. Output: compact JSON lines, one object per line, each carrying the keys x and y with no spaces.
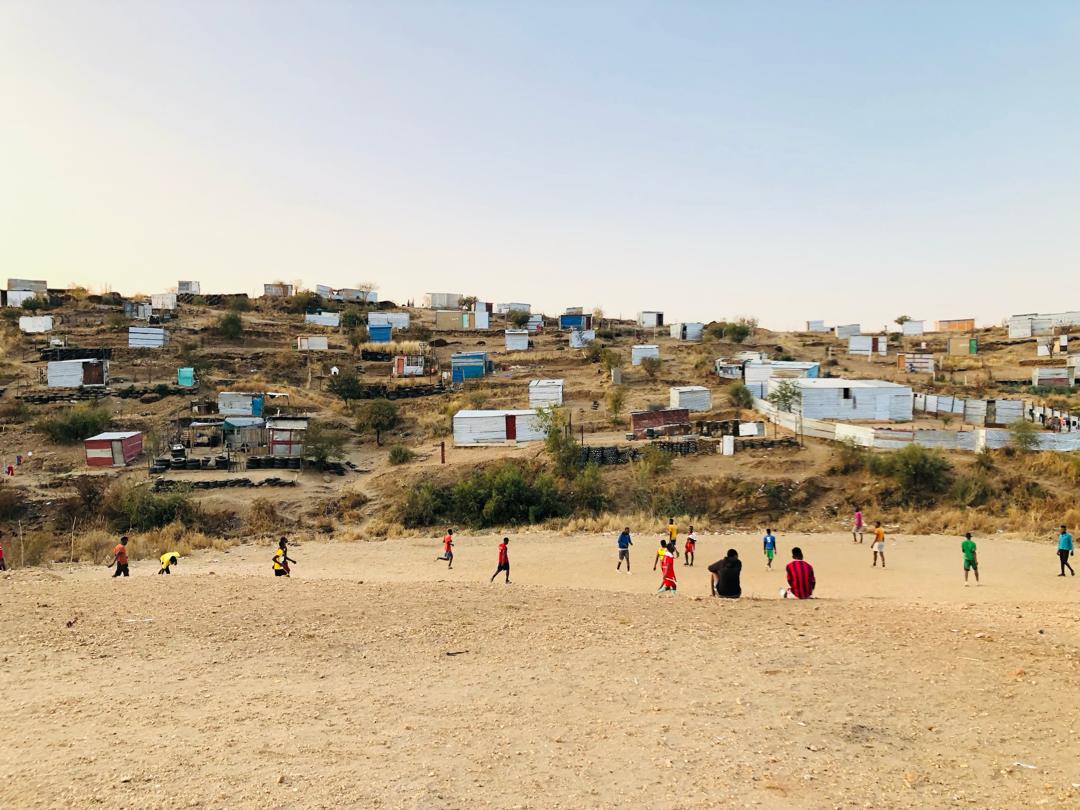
{"x":113,"y":436}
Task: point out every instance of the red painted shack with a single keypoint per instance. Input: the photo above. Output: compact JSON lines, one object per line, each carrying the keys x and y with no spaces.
{"x":113,"y":449}
{"x":666,"y":422}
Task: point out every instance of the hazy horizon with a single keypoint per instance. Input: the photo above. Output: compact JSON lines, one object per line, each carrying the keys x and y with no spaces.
{"x":844,"y":161}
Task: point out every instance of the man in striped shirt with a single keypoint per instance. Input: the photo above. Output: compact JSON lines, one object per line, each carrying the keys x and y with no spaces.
{"x":800,"y":577}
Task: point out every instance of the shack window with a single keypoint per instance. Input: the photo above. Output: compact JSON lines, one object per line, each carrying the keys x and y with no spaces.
{"x":847,"y":393}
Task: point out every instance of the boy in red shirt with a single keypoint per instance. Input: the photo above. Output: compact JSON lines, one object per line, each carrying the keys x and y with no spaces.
{"x":448,"y":549}
{"x":800,"y":577}
{"x":504,"y":560}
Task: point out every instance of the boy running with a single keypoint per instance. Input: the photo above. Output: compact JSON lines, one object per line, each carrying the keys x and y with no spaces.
{"x":624,"y":543}
{"x":1065,"y":550}
{"x":857,"y":527}
{"x":282,"y":559}
{"x":504,"y":560}
{"x":690,"y":547}
{"x":971,"y":560}
{"x":120,"y":557}
{"x":878,"y":546}
{"x":768,"y":542}
{"x":448,"y":549}
{"x":167,"y":559}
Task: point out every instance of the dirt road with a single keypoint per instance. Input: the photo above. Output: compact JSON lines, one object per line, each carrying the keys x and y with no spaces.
{"x":222,"y":686}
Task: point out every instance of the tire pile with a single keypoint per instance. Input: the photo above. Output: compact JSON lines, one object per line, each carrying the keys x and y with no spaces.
{"x":70,"y":396}
{"x":166,"y":463}
{"x":273,"y":463}
{"x":608,"y":455}
{"x":168,"y":484}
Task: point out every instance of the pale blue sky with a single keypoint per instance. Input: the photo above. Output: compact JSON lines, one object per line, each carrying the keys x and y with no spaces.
{"x":846,"y":161}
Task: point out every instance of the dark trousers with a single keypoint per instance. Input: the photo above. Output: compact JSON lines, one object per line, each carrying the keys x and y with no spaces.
{"x":1063,"y":558}
{"x":121,"y":568}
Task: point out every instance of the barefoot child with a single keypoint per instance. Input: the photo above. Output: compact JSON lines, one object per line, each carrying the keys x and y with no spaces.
{"x":971,"y":560}
{"x":857,"y":527}
{"x":282,"y":559}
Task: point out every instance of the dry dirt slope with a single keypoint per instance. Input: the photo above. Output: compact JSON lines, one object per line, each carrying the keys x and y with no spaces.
{"x":245,"y":691}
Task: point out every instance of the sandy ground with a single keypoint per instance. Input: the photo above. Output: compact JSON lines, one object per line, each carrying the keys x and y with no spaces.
{"x":377,"y":678}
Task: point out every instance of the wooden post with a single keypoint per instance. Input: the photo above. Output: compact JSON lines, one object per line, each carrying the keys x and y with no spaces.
{"x":442,"y":452}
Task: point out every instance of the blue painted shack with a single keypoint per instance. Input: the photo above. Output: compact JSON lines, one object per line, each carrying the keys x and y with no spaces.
{"x":576,"y":321}
{"x":380,"y":333}
{"x":468,"y":366}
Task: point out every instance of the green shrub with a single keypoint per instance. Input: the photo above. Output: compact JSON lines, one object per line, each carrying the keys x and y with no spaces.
{"x":239,"y":304}
{"x":400,"y":454}
{"x":588,"y":493}
{"x":12,"y":503}
{"x":131,"y":507}
{"x":14,"y":410}
{"x":920,"y":474}
{"x":1024,"y":435}
{"x":508,"y":494}
{"x":739,"y":396}
{"x":324,"y":442}
{"x":230,"y":326}
{"x":972,"y":490}
{"x":74,"y":424}
{"x":559,"y":443}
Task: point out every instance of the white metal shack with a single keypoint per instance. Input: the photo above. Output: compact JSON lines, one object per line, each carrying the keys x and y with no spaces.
{"x":854,"y":400}
{"x":545,"y":393}
{"x":641,"y":351}
{"x":517,"y":340}
{"x":691,"y":397}
{"x":35,"y":324}
{"x":496,"y":427}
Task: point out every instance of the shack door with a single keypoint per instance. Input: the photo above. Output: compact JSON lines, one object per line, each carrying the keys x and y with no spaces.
{"x":511,"y":428}
{"x":93,"y":374}
{"x":875,"y":345}
{"x":117,"y":453}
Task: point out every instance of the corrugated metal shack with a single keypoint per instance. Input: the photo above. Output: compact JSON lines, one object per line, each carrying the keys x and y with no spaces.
{"x":188,"y":288}
{"x":114,"y":449}
{"x":961,"y":346}
{"x":868,"y":345}
{"x":320,"y":318}
{"x":640,"y":352}
{"x":914,"y":363}
{"x":240,"y":403}
{"x":666,"y":422}
{"x":913,"y":328}
{"x":580,"y":338}
{"x":1034,"y":324}
{"x":817,"y":327}
{"x":650,"y":320}
{"x":575,"y":320}
{"x":757,"y":373}
{"x":312,"y":343}
{"x":36,"y":286}
{"x":138,"y":310}
{"x":545,"y":393}
{"x":690,"y":398}
{"x":517,"y":340}
{"x":496,"y":427}
{"x":1061,"y":377}
{"x":278,"y":290}
{"x":35,"y":324}
{"x":163,"y":302}
{"x":535,"y":324}
{"x":856,"y":400}
{"x":77,"y":373}
{"x":381,"y":333}
{"x":506,"y":309}
{"x":146,"y":337}
{"x":687,"y":331}
{"x":956,"y":325}
{"x":457,"y":320}
{"x":847,"y":330}
{"x":442,"y":300}
{"x":409,"y":366}
{"x":468,"y":366}
{"x":285,"y":435}
{"x":398,"y":320}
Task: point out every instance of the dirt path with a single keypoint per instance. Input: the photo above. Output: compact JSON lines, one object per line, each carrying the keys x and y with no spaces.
{"x":575,"y":687}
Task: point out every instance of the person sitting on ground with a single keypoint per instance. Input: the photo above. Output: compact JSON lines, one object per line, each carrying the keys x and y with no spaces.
{"x":800,"y":577}
{"x":725,"y":576}
{"x":169,"y":558}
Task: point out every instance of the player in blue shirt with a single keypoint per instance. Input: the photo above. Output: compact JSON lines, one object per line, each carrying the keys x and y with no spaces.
{"x":624,"y":542}
{"x":1065,"y":550}
{"x":769,"y":544}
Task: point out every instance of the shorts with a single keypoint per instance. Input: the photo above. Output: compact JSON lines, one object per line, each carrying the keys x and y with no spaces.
{"x":878,"y":545}
{"x":624,"y":554}
{"x":971,"y":565}
{"x":280,"y":572}
{"x":447,"y":555}
{"x":503,"y":567}
{"x":770,"y":553}
{"x":857,"y":528}
{"x":689,"y":549}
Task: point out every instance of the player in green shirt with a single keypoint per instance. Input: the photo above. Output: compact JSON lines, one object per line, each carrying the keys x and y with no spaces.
{"x":971,"y":559}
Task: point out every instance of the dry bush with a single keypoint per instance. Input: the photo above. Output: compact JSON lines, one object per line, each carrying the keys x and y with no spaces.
{"x":262,"y":517}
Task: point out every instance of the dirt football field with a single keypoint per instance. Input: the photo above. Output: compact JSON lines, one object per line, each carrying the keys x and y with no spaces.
{"x":375,"y":677}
